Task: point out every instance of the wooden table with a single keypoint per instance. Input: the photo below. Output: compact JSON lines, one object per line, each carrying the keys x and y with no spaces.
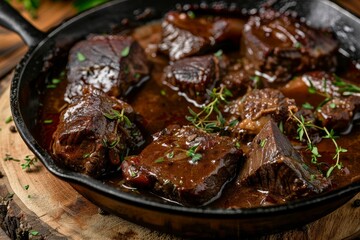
{"x":52,"y":209}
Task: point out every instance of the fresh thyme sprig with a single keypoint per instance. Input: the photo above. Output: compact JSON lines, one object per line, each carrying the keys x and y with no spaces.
{"x":203,"y":120}
{"x":302,"y":131}
{"x":192,"y":153}
{"x":324,"y":93}
{"x":345,"y":88}
{"x":28,"y":162}
{"x":119,"y":116}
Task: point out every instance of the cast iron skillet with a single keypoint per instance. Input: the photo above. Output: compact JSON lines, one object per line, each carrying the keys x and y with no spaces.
{"x":186,"y":221}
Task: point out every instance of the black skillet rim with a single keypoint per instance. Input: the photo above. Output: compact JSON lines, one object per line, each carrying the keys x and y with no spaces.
{"x":139,"y":201}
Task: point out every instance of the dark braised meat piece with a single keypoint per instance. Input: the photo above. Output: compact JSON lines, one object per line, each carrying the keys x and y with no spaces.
{"x":274,"y":165}
{"x":280,"y":45}
{"x":95,"y":133}
{"x":256,"y":108}
{"x":184,"y":35}
{"x":184,"y":164}
{"x":237,"y":79}
{"x":111,"y":63}
{"x":341,"y":104}
{"x":194,"y":75}
{"x":338,"y":113}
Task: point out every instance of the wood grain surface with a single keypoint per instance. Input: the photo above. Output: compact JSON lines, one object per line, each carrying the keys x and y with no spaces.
{"x":55,"y":210}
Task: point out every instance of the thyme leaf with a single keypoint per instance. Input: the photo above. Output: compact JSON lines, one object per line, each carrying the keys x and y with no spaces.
{"x":8,"y":119}
{"x":125,"y":51}
{"x":191,"y":14}
{"x":119,"y":116}
{"x":29,"y":161}
{"x":303,"y":132}
{"x":263,"y":142}
{"x":80,"y":57}
{"x":344,"y":87}
{"x":195,"y":157}
{"x":308,"y":106}
{"x":159,"y":160}
{"x":203,"y":120}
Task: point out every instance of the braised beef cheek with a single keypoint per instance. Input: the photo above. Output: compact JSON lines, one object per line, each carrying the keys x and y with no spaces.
{"x":184,"y":164}
{"x":111,"y":63}
{"x":274,"y":165}
{"x":95,"y":133}
{"x":195,"y":76}
{"x":185,"y":35}
{"x":280,"y":45}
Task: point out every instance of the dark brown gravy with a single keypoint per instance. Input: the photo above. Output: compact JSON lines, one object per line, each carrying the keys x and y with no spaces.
{"x":160,"y":106}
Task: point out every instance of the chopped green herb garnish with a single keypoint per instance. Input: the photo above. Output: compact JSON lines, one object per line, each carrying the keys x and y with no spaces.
{"x":26,"y":187}
{"x":133,"y":173}
{"x":48,"y":121}
{"x":86,"y":155}
{"x":114,"y":143}
{"x":55,"y":81}
{"x":159,"y":160}
{"x":281,"y":127}
{"x":298,"y":45}
{"x":263,"y":142}
{"x":34,"y":233}
{"x":51,"y":86}
{"x":125,"y":51}
{"x":8,"y":119}
{"x":195,"y":157}
{"x":203,"y":120}
{"x":237,"y":145}
{"x":308,"y":106}
{"x":28,"y":162}
{"x":219,"y":53}
{"x":80,"y":57}
{"x":191,"y":14}
{"x":257,"y":81}
{"x":332,"y":105}
{"x":170,"y":154}
{"x":311,"y":89}
{"x":137,"y":75}
{"x":344,"y":87}
{"x":233,"y":123}
{"x":119,"y":116}
{"x":312,"y":177}
{"x":163,"y":92}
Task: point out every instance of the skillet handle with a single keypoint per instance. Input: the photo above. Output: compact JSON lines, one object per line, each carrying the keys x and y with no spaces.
{"x":12,"y":20}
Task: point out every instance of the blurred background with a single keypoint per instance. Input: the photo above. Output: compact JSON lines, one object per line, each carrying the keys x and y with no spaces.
{"x":44,"y":14}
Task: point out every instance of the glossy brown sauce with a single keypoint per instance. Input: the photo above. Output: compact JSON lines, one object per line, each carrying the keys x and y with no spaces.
{"x":161,"y":106}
